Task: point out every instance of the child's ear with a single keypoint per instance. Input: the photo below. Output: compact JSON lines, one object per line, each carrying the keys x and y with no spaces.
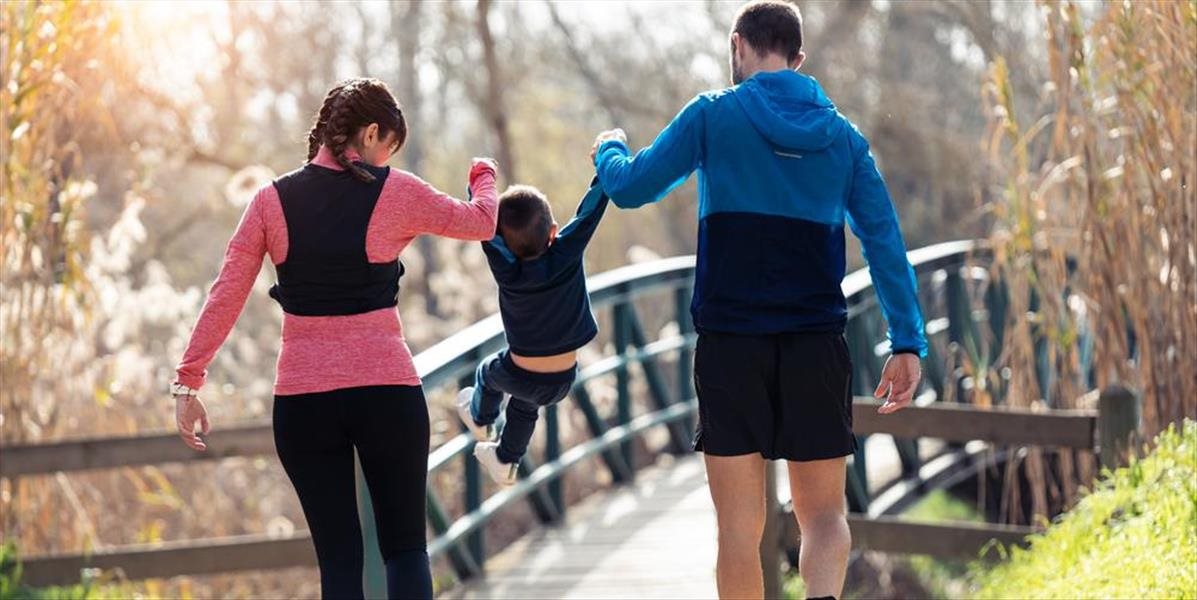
{"x":553,"y":232}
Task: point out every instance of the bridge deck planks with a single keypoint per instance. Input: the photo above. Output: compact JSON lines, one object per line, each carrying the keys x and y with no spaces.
{"x":654,"y":539}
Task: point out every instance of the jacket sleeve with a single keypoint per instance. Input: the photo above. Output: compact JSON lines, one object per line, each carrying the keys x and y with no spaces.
{"x":576,"y":234}
{"x":633,"y":181}
{"x":872,"y":218}
{"x":226,"y":298}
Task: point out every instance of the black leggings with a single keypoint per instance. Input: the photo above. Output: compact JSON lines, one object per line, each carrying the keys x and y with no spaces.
{"x":315,"y":435}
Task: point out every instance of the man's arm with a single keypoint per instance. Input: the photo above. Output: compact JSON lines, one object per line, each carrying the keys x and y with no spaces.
{"x":872,"y":218}
{"x":654,"y":171}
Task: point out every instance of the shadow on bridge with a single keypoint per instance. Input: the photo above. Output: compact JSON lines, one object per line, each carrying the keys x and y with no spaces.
{"x":653,"y":531}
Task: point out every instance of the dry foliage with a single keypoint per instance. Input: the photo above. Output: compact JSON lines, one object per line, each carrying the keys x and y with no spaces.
{"x":1096,"y":220}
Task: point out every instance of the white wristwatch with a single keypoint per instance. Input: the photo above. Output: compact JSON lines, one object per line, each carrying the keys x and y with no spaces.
{"x":178,"y":389}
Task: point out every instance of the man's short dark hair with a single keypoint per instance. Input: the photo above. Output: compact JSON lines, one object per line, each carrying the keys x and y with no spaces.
{"x":525,"y":219}
{"x":771,"y":26}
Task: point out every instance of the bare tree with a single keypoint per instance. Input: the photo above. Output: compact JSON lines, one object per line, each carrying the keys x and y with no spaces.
{"x":492,"y":105}
{"x":405,"y":23}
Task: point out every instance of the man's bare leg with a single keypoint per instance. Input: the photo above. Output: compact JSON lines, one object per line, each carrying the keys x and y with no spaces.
{"x":737,"y":485}
{"x":817,"y":488}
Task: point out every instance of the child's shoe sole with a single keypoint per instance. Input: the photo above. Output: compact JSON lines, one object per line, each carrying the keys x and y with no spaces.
{"x":504,"y":474}
{"x":481,"y":433}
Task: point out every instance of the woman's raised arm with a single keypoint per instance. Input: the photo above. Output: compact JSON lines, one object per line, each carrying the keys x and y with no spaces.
{"x":425,"y":209}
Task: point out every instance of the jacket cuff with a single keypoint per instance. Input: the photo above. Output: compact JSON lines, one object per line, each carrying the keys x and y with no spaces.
{"x":194,"y":382}
{"x":481,"y":167}
{"x":621,"y":147}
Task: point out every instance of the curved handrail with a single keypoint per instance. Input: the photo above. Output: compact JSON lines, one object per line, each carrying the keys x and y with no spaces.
{"x":450,"y":357}
{"x":456,"y":356}
{"x":442,"y":361}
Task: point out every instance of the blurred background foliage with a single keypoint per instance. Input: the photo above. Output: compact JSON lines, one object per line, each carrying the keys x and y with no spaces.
{"x":132,"y":135}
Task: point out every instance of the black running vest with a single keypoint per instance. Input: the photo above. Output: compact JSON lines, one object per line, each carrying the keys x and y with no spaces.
{"x":326,"y":271}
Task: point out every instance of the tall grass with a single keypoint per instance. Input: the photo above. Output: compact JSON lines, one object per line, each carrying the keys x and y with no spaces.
{"x":1095,"y":234}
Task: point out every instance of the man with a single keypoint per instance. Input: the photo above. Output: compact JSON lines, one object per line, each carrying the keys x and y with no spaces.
{"x":779,"y":171}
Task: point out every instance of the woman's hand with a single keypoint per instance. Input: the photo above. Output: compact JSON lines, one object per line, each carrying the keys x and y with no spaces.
{"x":188,"y":410}
{"x":483,"y":164}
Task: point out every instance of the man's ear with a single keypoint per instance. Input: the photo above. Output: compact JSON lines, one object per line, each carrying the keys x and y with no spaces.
{"x":553,"y":232}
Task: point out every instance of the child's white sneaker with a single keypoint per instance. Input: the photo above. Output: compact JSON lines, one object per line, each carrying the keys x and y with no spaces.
{"x":503,"y":473}
{"x":482,"y":433}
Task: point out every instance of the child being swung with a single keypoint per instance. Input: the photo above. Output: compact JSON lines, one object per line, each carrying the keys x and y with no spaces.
{"x":545,"y":308}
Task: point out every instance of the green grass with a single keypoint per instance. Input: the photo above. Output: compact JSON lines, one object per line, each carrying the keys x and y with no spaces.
{"x":1134,"y":536}
{"x":101,"y":587}
{"x":12,"y":589}
{"x":942,"y":578}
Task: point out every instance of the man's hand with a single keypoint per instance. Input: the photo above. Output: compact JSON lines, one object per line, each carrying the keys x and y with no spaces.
{"x":899,"y":380}
{"x":188,"y":411}
{"x":613,"y":134}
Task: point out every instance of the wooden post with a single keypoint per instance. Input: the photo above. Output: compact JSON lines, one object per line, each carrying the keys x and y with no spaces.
{"x":771,"y":540}
{"x":374,"y":576}
{"x":1117,"y":425}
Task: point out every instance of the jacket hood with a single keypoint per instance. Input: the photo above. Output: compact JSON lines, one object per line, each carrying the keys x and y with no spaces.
{"x":790,"y":110}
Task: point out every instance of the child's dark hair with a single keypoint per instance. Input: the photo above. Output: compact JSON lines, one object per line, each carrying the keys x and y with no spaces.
{"x":351,"y":105}
{"x":771,"y":26}
{"x":525,"y":220}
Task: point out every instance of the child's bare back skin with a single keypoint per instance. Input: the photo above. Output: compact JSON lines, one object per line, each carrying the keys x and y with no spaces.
{"x":546,"y":364}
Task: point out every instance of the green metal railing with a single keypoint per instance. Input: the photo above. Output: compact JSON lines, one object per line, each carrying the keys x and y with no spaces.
{"x":940,"y":269}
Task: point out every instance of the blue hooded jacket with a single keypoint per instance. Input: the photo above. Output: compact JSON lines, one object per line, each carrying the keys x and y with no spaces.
{"x":779,"y":172}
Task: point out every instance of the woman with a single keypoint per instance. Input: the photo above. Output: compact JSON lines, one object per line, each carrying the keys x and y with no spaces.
{"x":345,"y":380}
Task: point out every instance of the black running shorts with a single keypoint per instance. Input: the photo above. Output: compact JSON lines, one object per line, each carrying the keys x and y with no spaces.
{"x":784,"y":396}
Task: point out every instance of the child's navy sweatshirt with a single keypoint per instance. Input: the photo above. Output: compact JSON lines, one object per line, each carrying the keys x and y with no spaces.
{"x":544,"y":303}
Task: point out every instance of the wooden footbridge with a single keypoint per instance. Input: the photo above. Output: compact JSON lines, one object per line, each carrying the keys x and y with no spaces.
{"x":620,"y":503}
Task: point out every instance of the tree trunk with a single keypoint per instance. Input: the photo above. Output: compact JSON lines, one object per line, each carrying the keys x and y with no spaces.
{"x":406,"y":22}
{"x":496,"y":115}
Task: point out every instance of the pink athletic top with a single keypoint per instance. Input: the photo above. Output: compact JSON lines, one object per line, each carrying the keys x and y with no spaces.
{"x":327,"y":353}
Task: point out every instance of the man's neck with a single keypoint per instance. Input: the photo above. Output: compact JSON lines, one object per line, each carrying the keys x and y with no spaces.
{"x":770,"y":63}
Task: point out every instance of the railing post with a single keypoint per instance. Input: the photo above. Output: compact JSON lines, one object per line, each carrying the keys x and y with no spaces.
{"x":620,"y":471}
{"x":771,"y":540}
{"x":374,"y":576}
{"x":623,"y":381}
{"x":472,"y":497}
{"x":862,"y":385}
{"x":679,"y":436}
{"x":552,"y":450}
{"x":1117,"y":425}
{"x":459,"y":558}
{"x":685,"y":356}
{"x":542,"y":503}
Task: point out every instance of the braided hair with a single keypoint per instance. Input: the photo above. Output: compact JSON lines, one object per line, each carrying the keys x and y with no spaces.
{"x":348,"y":107}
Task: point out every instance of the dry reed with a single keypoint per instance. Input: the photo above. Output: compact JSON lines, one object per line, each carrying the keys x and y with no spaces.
{"x":1095,"y":216}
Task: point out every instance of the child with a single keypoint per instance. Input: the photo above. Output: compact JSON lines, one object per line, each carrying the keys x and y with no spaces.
{"x":545,"y":309}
